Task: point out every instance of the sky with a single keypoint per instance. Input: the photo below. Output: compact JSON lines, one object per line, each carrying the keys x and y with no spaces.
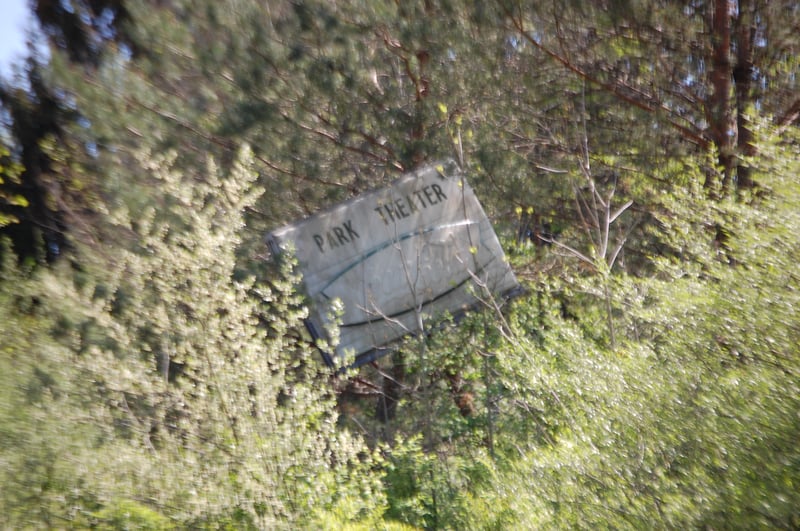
{"x":14,"y":18}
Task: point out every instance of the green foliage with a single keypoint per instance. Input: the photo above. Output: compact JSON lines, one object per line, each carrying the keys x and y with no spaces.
{"x":9,"y":175}
{"x":687,"y":423}
{"x":189,"y":386}
{"x":128,"y":514}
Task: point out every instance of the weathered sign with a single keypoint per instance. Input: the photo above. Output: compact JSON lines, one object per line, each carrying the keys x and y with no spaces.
{"x":395,"y":256}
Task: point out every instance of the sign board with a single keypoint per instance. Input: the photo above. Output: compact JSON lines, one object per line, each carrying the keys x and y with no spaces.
{"x":395,"y":256}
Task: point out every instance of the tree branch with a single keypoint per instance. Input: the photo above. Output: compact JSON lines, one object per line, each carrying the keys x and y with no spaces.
{"x":614,"y":89}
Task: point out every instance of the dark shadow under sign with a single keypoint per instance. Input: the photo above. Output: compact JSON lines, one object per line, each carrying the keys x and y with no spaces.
{"x":395,"y":257}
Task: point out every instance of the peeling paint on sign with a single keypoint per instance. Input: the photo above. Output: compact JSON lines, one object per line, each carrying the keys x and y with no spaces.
{"x":395,"y":256}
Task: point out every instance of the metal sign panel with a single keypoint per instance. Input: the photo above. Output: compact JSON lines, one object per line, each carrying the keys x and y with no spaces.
{"x":394,"y":256}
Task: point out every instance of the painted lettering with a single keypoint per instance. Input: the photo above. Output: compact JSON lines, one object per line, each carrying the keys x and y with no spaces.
{"x":331,"y":242}
{"x":412,"y":207}
{"x":405,"y":206}
{"x":401,"y":208}
{"x":337,"y":236}
{"x":379,"y":210}
{"x":439,"y":194}
{"x":390,"y":210}
{"x":339,"y":232}
{"x":349,"y":228}
{"x":418,"y":195}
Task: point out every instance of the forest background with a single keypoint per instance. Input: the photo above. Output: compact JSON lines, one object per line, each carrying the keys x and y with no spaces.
{"x":639,"y":161}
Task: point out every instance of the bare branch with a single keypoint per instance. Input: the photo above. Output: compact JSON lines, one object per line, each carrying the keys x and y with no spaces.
{"x":620,"y":211}
{"x":614,"y":88}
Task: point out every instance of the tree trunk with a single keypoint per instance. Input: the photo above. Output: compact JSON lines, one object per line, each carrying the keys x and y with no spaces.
{"x":719,"y":110}
{"x":743,"y":79}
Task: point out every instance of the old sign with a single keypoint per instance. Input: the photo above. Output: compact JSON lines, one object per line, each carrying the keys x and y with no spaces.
{"x":394,"y":257}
